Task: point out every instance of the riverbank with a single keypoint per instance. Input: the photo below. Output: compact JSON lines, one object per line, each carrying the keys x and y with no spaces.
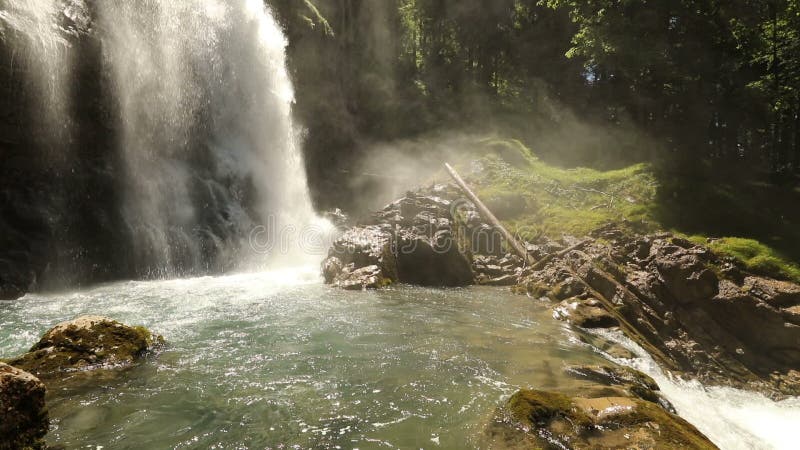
{"x":723,"y":311}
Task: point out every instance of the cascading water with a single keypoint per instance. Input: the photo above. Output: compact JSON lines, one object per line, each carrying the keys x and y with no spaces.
{"x":198,"y":98}
{"x":207,"y":135}
{"x":40,"y":35}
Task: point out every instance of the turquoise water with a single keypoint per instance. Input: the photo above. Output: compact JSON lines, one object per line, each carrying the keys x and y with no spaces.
{"x":278,"y":360}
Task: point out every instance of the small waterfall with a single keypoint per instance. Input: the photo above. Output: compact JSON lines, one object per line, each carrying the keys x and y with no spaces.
{"x":198,"y":100}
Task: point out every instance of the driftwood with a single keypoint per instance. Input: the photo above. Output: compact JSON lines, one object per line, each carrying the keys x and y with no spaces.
{"x":489,"y":217}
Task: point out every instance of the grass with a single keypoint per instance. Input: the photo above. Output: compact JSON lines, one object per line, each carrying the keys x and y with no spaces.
{"x":756,"y":257}
{"x":553,"y":201}
{"x":562,"y":201}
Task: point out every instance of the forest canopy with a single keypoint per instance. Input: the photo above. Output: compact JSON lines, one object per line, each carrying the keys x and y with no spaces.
{"x":709,"y":81}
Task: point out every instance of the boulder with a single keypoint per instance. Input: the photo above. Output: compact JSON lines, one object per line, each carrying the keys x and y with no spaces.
{"x":542,"y":419}
{"x":369,"y":277}
{"x":360,"y":247}
{"x":432,"y":262}
{"x":23,"y":416}
{"x":85,"y":343}
{"x":332,"y":267}
{"x":412,"y":240}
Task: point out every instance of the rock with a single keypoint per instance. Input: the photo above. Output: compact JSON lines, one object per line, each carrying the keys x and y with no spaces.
{"x":584,"y":314}
{"x":331,"y":268}
{"x":85,"y":343}
{"x":358,"y":248}
{"x":541,"y":419}
{"x":686,"y":276}
{"x":506,"y":205}
{"x":14,"y":284}
{"x":435,"y":262}
{"x":631,"y":382}
{"x":370,"y":277}
{"x":11,"y":292}
{"x":338,"y":218}
{"x":23,"y":416}
{"x":412,"y":240}
{"x":741,"y":331}
{"x":780,"y":294}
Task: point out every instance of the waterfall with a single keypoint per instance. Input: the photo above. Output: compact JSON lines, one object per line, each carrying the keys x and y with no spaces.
{"x":198,"y":99}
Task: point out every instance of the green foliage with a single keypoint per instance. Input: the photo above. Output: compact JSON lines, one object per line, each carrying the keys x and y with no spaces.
{"x":712,"y":75}
{"x":576,"y":201}
{"x":560,"y":200}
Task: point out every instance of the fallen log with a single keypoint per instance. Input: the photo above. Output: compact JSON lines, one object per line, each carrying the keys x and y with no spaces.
{"x":489,"y":217}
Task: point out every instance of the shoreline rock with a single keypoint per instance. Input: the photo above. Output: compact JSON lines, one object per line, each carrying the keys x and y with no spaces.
{"x":617,"y":408}
{"x":696,"y":313}
{"x":430,"y":237}
{"x":24,"y":419}
{"x":85,"y":343}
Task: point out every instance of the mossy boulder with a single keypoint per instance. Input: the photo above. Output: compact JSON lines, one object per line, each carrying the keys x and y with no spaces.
{"x":23,"y":416}
{"x":85,"y":343}
{"x":541,"y":419}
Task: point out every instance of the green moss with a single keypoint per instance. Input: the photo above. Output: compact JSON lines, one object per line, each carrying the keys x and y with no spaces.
{"x":559,"y":200}
{"x":576,"y":201}
{"x":75,"y":347}
{"x":673,"y":432}
{"x":537,"y":408}
{"x":755,"y":256}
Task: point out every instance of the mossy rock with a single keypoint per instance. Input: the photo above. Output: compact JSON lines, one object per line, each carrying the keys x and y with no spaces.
{"x":84,"y":343}
{"x":534,"y":409}
{"x":541,"y":419}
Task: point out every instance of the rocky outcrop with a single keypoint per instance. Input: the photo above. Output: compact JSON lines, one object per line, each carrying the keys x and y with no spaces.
{"x":693,"y":311}
{"x":428,"y":238}
{"x":23,"y":416}
{"x":615,"y":408}
{"x":86,"y":343}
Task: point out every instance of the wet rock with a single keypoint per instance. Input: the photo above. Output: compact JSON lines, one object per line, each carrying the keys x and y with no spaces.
{"x":369,"y":277}
{"x":627,"y":382}
{"x":361,"y":247}
{"x":86,"y":343}
{"x":584,"y":313}
{"x":14,"y":283}
{"x":412,"y":240}
{"x":338,"y":218}
{"x":11,"y":292}
{"x":23,"y":416}
{"x":332,"y":267}
{"x":541,"y":419}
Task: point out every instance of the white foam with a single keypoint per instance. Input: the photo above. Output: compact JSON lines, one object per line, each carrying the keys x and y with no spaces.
{"x":733,"y":419}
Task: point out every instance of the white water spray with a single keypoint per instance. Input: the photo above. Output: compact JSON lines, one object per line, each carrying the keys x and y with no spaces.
{"x":200,"y":104}
{"x":732,"y":418}
{"x":40,"y":30}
